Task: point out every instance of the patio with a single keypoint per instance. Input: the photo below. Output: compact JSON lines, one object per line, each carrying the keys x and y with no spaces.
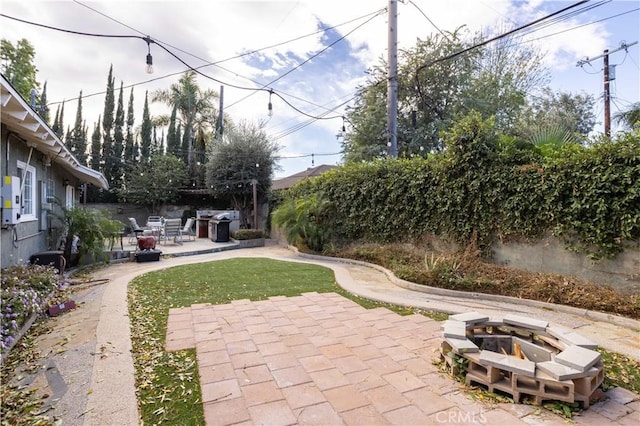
{"x":321,"y":359}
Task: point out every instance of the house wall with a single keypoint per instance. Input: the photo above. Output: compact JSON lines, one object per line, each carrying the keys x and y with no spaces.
{"x":39,"y":234}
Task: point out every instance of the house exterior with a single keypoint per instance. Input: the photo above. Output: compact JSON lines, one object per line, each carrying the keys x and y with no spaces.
{"x":36,"y":169}
{"x":289,"y":181}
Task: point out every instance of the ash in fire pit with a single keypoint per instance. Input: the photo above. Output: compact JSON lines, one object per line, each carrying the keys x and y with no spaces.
{"x":524,"y":357}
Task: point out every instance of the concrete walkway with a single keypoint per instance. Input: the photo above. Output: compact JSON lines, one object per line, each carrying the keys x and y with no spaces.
{"x":110,"y":393}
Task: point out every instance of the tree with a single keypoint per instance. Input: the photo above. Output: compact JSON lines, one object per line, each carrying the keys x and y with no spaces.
{"x":96,"y":146}
{"x":107,"y":129}
{"x":43,"y":110}
{"x":195,"y":107}
{"x":58,"y":121}
{"x":118,"y":141}
{"x":77,"y":142}
{"x":155,"y":183}
{"x":17,"y":66}
{"x":571,"y":113}
{"x":173,"y":139}
{"x":129,"y":147}
{"x":145,"y":145}
{"x":433,"y":92}
{"x":629,"y":118}
{"x":245,"y":154}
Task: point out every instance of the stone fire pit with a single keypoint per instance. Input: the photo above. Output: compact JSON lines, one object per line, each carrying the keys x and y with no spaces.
{"x":523,"y":357}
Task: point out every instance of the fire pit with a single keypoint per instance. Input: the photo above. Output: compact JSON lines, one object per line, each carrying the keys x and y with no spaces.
{"x":523,"y":357}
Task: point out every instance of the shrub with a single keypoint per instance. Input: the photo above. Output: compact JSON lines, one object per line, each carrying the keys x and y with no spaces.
{"x":23,"y":293}
{"x":247,"y":234}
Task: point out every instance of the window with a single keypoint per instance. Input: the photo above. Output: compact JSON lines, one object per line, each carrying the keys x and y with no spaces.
{"x":70,"y":197}
{"x":28,"y":185}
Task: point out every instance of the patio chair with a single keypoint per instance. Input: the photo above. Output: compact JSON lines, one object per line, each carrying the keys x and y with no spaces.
{"x":188,"y":228}
{"x":172,"y":228}
{"x":154,"y":222}
{"x":136,"y":230}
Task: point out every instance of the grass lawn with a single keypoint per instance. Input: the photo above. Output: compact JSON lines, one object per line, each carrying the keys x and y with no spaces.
{"x":167,"y":382}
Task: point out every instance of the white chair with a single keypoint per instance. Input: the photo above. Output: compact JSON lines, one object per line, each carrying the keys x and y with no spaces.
{"x":172,"y":228}
{"x":188,"y":228}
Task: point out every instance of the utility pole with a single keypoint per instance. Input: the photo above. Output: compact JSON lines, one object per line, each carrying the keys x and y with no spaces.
{"x":607,"y":96}
{"x":220,"y":123}
{"x":254,"y":182}
{"x":607,"y":79}
{"x":392,"y":79}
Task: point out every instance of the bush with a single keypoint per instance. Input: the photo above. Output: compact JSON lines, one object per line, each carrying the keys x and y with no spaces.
{"x":247,"y":234}
{"x":23,"y":293}
{"x":479,"y":189}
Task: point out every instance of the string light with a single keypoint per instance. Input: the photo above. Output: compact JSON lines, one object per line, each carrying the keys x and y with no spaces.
{"x":149,"y":68}
{"x":270,"y":107}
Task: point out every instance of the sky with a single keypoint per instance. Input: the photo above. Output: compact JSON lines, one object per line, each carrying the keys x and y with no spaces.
{"x":312,"y":53}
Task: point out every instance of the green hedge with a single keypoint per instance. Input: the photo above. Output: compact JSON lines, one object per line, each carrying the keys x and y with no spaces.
{"x":483,"y":188}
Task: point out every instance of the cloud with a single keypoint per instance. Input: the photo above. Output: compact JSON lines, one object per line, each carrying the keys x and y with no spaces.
{"x":200,"y":31}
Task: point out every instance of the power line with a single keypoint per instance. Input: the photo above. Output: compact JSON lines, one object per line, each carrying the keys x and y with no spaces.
{"x":196,"y":69}
{"x":498,"y":37}
{"x":250,"y":52}
{"x":313,"y":56}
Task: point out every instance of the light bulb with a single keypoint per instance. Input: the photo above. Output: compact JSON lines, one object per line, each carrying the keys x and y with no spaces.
{"x":149,"y":64}
{"x":270,"y":110}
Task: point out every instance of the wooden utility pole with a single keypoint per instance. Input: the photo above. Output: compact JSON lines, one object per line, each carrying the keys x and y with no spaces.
{"x":392,"y":79}
{"x":254,"y":182}
{"x":607,"y":96}
{"x":607,"y":79}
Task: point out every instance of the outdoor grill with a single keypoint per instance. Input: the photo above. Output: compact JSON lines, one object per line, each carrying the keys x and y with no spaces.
{"x":202,"y":222}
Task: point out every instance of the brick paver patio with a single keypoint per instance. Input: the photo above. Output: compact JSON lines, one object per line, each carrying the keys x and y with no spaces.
{"x":323,"y":359}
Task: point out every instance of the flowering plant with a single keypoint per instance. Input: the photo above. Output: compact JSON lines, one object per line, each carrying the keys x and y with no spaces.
{"x":23,"y":291}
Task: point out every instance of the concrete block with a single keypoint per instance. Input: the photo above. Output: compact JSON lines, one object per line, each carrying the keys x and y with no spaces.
{"x":534,"y":352}
{"x":526,"y":322}
{"x":487,"y":374}
{"x":585,"y":386}
{"x":461,"y":346}
{"x":454,"y":329}
{"x":579,"y":358}
{"x":509,"y":363}
{"x":469,"y":318}
{"x":559,"y":371}
{"x":570,"y":337}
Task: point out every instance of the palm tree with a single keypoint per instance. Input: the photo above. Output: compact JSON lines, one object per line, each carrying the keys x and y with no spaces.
{"x":629,"y":118}
{"x":195,"y":108}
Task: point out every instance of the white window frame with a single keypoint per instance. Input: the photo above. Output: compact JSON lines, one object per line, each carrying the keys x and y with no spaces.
{"x":70,"y":197}
{"x":29,"y":195}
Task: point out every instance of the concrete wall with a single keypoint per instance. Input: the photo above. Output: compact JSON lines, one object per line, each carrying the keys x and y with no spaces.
{"x":550,"y":255}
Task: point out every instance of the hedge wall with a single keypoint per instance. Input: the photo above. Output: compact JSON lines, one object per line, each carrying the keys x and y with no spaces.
{"x":485,"y":188}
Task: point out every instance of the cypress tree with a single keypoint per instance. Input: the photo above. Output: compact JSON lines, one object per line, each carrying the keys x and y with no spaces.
{"x":173,"y":139}
{"x":118,"y":141}
{"x":186,"y":144}
{"x":107,"y":127}
{"x":129,"y":146}
{"x":54,"y":125}
{"x":68,"y":137}
{"x":96,"y":146}
{"x":145,"y":144}
{"x":76,"y":141}
{"x":43,"y":110}
{"x":155,"y":147}
{"x":58,"y":124}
